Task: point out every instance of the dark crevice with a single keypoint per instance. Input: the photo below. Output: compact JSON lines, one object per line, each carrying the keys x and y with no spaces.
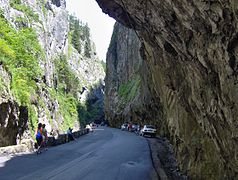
{"x":232,"y":58}
{"x":169,"y":48}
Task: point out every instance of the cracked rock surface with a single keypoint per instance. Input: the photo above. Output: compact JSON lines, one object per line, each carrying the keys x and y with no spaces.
{"x":190,"y":50}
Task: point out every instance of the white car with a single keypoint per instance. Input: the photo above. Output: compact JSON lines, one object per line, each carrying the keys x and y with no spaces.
{"x":148,"y":130}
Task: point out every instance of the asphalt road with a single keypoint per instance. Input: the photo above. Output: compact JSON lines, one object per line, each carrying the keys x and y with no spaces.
{"x":105,"y":154}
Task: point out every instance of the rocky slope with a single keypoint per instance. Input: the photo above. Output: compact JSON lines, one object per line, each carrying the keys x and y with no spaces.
{"x":190,"y":51}
{"x":48,"y":89}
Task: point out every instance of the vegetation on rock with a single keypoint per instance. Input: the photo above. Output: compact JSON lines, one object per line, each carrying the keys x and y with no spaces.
{"x":24,"y":59}
{"x":19,"y":54}
{"x":129,"y":90}
{"x":80,"y":34}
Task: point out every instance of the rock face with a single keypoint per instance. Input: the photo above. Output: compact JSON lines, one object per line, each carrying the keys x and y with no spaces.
{"x":190,"y":52}
{"x":50,"y":20}
{"x":13,"y":117}
{"x":126,"y":87}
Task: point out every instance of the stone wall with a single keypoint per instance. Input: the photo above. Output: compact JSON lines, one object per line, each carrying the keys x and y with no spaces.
{"x":28,"y":145}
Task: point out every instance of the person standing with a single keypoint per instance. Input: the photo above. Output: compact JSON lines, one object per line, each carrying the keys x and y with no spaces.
{"x":39,"y":137}
{"x":44,"y":135}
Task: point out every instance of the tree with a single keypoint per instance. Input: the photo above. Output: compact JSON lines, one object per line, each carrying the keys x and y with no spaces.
{"x":87,"y":49}
{"x":76,"y":36}
{"x":87,"y":46}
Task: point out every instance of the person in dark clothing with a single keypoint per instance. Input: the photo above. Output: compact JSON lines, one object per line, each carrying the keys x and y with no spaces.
{"x":70,"y":134}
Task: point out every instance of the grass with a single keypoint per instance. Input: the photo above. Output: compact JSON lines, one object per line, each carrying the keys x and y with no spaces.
{"x":129,"y":90}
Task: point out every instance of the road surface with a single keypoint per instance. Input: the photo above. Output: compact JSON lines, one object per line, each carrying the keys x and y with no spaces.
{"x":105,"y":154}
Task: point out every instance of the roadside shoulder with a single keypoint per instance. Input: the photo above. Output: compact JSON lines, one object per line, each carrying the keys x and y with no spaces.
{"x":163,"y":159}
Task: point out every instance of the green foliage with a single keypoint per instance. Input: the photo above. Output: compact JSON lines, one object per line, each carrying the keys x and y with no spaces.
{"x":1,"y":13}
{"x":92,"y":109}
{"x":87,"y":112}
{"x":86,"y":32}
{"x":19,"y":52}
{"x":68,"y":82}
{"x":87,"y":49}
{"x":79,"y":33}
{"x":21,"y":20}
{"x":6,"y":50}
{"x":42,"y":3}
{"x":75,"y":31}
{"x":86,"y":36}
{"x":33,"y":119}
{"x":68,"y":107}
{"x":76,"y":36}
{"x":66,"y":94}
{"x":16,"y":4}
{"x":129,"y":90}
{"x":82,"y":114}
{"x":104,"y":66}
{"x":2,"y":85}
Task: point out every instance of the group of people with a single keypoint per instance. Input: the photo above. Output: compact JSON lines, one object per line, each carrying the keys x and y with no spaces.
{"x":133,"y":127}
{"x":41,"y":137}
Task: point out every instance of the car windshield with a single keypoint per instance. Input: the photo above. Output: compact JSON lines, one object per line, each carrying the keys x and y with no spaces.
{"x":150,"y":126}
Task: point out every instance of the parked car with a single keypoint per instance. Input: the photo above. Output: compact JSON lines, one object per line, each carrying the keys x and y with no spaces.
{"x":124,"y":127}
{"x":148,"y":130}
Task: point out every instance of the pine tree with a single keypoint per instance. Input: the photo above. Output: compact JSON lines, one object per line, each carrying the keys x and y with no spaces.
{"x":76,"y":36}
{"x":87,"y":47}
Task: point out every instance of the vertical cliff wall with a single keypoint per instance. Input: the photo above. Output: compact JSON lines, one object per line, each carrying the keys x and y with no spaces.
{"x":42,"y":75}
{"x":190,"y":51}
{"x":127,"y":93}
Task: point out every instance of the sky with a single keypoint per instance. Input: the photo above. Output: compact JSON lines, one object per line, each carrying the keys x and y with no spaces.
{"x":100,"y":24}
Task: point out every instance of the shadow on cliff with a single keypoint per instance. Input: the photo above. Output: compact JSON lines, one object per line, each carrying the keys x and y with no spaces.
{"x":13,"y":122}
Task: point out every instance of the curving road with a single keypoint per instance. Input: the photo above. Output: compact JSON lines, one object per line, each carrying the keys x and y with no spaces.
{"x":105,"y":154}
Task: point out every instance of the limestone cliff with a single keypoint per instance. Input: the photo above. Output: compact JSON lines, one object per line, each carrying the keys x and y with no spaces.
{"x":42,"y":76}
{"x":190,"y":51}
{"x":126,"y":78}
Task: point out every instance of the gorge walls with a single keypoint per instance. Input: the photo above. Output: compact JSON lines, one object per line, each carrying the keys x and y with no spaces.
{"x":187,"y":78}
{"x":43,"y":76}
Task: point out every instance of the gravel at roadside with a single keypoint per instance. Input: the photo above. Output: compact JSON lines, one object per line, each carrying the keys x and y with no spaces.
{"x":164,"y":161}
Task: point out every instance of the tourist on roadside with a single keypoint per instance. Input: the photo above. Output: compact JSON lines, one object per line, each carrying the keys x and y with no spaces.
{"x":44,"y":135}
{"x":138,"y":129}
{"x":130,"y":127}
{"x":70,"y":134}
{"x":39,"y":137}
